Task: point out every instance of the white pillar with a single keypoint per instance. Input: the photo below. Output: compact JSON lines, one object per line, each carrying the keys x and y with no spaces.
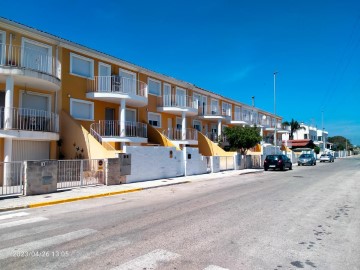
{"x":183,"y":126}
{"x":122,"y":118}
{"x":219,"y":128}
{"x":7,"y":158}
{"x":9,"y":95}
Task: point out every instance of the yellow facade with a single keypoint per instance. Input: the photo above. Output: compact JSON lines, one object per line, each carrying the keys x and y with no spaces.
{"x":75,"y":132}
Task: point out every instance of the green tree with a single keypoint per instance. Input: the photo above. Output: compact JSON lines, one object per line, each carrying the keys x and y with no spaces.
{"x":340,"y":143}
{"x":242,"y":138}
{"x":294,"y":126}
{"x":317,"y":149}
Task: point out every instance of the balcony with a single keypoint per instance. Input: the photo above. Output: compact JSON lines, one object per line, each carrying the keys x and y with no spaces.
{"x":114,"y":88}
{"x":115,"y":131}
{"x":177,"y":104}
{"x":270,"y":140}
{"x":214,"y":113}
{"x":29,"y":67}
{"x":280,"y":128}
{"x":28,"y":124}
{"x":190,"y":135}
{"x":244,"y":119}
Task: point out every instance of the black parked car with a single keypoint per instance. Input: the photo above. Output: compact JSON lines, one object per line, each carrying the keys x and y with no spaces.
{"x":306,"y":159}
{"x":277,"y":162}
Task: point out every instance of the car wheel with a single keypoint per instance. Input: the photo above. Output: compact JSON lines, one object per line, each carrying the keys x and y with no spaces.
{"x":283,"y":167}
{"x":299,"y":164}
{"x":290,"y":168}
{"x":265,"y":169}
{"x":315,"y":163}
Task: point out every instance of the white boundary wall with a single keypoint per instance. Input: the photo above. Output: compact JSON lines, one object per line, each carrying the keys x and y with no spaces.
{"x":197,"y":164}
{"x":149,"y":163}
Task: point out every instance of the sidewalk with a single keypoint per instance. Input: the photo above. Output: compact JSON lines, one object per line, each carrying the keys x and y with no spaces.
{"x":89,"y":192}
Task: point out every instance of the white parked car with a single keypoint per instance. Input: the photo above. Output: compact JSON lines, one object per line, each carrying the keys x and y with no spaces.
{"x":326,"y":157}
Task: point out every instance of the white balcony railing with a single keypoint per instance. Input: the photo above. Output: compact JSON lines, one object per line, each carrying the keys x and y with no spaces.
{"x":117,"y":84}
{"x":29,"y":58}
{"x":28,"y":119}
{"x":210,"y":110}
{"x":114,"y":128}
{"x":178,"y":101}
{"x":175,"y":134}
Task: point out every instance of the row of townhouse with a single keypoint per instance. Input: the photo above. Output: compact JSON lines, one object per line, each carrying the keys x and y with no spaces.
{"x":62,"y":99}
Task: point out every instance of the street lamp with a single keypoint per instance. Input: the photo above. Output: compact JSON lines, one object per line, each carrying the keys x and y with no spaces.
{"x":275,"y":142}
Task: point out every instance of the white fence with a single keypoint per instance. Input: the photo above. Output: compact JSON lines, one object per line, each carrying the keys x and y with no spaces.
{"x":11,"y":178}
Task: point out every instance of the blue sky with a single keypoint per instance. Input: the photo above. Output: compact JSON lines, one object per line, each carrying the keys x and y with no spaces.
{"x":228,"y":47}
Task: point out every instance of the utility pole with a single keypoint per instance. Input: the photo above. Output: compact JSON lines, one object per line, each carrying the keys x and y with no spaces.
{"x":275,"y":142}
{"x":322,"y":136}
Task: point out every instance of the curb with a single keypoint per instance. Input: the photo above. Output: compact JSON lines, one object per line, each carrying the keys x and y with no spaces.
{"x":73,"y":199}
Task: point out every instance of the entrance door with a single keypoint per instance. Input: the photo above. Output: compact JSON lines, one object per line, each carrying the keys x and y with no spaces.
{"x":110,"y":126}
{"x":131,"y":128}
{"x":104,"y":78}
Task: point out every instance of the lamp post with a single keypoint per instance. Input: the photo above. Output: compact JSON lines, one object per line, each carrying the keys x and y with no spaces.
{"x":275,"y":142}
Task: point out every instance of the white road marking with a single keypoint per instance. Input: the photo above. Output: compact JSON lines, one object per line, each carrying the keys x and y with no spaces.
{"x":43,"y":243}
{"x":21,"y":222}
{"x":31,"y":231}
{"x":20,"y":214}
{"x":88,"y":252}
{"x":214,"y":267}
{"x":149,"y":260}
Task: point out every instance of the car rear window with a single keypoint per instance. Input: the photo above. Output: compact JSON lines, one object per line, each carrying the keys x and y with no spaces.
{"x":272,"y":157}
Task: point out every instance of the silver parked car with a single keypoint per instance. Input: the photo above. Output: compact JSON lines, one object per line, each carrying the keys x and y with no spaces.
{"x":326,"y":157}
{"x":306,"y":159}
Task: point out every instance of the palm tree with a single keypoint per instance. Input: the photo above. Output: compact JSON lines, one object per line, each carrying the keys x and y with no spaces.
{"x":294,"y":126}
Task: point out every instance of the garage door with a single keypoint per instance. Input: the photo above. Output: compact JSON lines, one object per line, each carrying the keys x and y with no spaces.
{"x":30,"y":150}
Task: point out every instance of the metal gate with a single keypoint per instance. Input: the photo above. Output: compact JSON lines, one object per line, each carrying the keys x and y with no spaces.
{"x":227,"y":163}
{"x":78,"y":173}
{"x":11,"y":178}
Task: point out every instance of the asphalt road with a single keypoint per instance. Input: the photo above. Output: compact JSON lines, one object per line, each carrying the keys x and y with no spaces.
{"x":307,"y":218}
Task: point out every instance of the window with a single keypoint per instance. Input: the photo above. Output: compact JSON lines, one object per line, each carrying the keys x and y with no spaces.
{"x":130,"y":115}
{"x":305,"y":136}
{"x":180,"y":97}
{"x":2,"y":47}
{"x":167,"y":94}
{"x":154,"y":87}
{"x":237,"y":113}
{"x":197,"y":100}
{"x":154,"y":119}
{"x":128,"y":81}
{"x":36,"y":55}
{"x":214,"y":107}
{"x":35,"y":101}
{"x":226,"y":109}
{"x":197,"y":125}
{"x":81,"y":109}
{"x":81,"y":66}
{"x":178,"y":123}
